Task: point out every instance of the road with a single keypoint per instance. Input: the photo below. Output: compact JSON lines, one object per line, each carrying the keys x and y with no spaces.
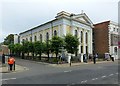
{"x":39,"y":73}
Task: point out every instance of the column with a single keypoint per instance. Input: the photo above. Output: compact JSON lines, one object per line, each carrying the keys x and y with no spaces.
{"x":84,"y":42}
{"x":79,"y":47}
{"x":73,"y":30}
{"x":50,"y":33}
{"x":64,"y":29}
{"x":91,"y":41}
{"x":59,"y":31}
{"x":43,"y":35}
{"x":38,"y":36}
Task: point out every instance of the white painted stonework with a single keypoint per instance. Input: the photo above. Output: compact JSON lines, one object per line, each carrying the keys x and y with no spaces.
{"x":113,"y":29}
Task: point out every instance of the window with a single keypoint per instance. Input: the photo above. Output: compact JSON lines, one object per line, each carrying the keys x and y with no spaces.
{"x":86,"y":38}
{"x":30,"y":39}
{"x":117,"y":30}
{"x":114,"y":29}
{"x":115,"y":50}
{"x":81,"y":49}
{"x":35,"y":38}
{"x":81,"y":36}
{"x":55,"y":33}
{"x":76,"y":34}
{"x":86,"y":49}
{"x":40,"y":37}
{"x":47,"y":36}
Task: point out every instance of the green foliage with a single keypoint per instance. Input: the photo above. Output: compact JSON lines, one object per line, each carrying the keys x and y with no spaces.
{"x":25,"y":47}
{"x":11,"y":47}
{"x":17,"y":48}
{"x":71,"y":43}
{"x":47,"y":46}
{"x":30,"y":47}
{"x":56,"y":43}
{"x":9,"y":39}
{"x":39,"y":47}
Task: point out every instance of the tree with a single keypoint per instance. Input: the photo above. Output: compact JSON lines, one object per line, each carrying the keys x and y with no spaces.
{"x":56,"y":44}
{"x":11,"y":47}
{"x":24,"y":48}
{"x":71,"y":43}
{"x":47,"y":47}
{"x":31,"y":48}
{"x":38,"y":48}
{"x":17,"y":49}
{"x":9,"y":39}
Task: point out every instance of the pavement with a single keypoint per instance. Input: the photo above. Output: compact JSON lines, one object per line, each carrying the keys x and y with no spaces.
{"x":5,"y":68}
{"x":18,"y":68}
{"x":77,"y":64}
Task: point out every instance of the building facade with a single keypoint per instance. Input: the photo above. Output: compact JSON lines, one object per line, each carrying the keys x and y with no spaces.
{"x":105,"y":35}
{"x":64,"y":23}
{"x":16,"y":38}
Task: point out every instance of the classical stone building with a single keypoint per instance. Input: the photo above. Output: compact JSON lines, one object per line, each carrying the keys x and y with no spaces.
{"x":105,"y":35}
{"x":75,"y":24}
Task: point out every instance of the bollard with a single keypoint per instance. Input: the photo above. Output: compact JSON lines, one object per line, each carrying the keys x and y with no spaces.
{"x":14,"y":66}
{"x":70,"y":63}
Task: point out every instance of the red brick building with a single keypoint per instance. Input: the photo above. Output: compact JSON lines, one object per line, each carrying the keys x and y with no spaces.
{"x":105,"y":35}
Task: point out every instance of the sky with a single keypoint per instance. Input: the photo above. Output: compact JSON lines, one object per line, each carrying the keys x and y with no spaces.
{"x":17,"y":16}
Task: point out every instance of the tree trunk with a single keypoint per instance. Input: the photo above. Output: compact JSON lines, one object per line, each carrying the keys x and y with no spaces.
{"x":40,"y":56}
{"x":75,"y":53}
{"x":33,"y":55}
{"x":48,"y":55}
{"x":22,"y":55}
{"x":28,"y":54}
{"x":56,"y":55}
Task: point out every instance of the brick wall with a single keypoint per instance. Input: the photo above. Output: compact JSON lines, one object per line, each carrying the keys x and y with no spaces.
{"x":101,"y":37}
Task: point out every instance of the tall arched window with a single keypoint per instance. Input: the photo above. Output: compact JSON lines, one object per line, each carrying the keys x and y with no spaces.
{"x":81,"y":49}
{"x":35,"y":38}
{"x":30,"y":39}
{"x":81,"y":37}
{"x":86,"y":38}
{"x":40,"y":37}
{"x":55,"y":33}
{"x":86,"y":49}
{"x":47,"y":36}
{"x":76,"y":33}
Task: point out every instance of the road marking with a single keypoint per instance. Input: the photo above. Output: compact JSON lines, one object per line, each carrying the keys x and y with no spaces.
{"x":67,"y":71}
{"x":96,"y":78}
{"x":73,"y":83}
{"x":93,"y":79}
{"x":116,"y":73}
{"x":103,"y":76}
{"x":111,"y":74}
{"x":84,"y":81}
{"x":8,"y":79}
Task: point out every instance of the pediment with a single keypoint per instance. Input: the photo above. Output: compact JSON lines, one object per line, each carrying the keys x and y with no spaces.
{"x":83,"y":17}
